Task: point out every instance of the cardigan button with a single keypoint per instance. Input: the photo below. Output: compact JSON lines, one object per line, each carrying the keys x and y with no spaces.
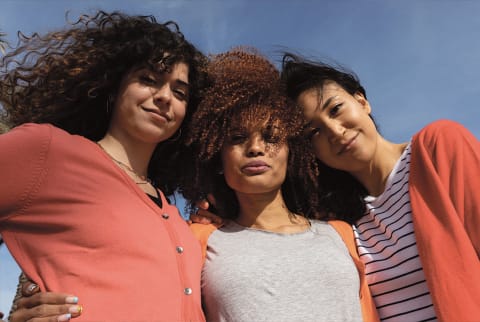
{"x":187,"y":291}
{"x":179,"y":249}
{"x":165,"y":216}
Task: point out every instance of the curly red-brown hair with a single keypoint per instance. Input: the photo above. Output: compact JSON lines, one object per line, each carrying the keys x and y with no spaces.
{"x":246,"y":91}
{"x":70,"y":77}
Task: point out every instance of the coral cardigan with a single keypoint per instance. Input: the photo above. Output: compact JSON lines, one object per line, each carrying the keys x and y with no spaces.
{"x":444,"y":188}
{"x":76,"y":222}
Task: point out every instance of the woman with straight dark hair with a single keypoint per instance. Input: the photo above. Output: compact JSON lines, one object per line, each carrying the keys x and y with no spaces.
{"x":414,"y":206}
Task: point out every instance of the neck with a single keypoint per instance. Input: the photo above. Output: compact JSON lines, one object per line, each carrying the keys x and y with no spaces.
{"x":135,"y":156}
{"x":269,"y":212}
{"x":374,"y":177}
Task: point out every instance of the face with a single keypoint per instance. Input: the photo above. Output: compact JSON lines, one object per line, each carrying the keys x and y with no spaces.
{"x":255,"y":161}
{"x":150,"y":106}
{"x":342,"y":133}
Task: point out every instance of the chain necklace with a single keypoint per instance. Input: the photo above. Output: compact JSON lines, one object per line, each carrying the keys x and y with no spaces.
{"x":124,"y":166}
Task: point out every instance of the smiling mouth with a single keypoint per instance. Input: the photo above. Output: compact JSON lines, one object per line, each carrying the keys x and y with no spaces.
{"x":157,"y":112}
{"x":348,"y":145}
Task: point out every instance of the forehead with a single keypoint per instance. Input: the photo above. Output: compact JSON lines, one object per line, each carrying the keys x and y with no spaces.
{"x":178,"y":71}
{"x":254,"y":123}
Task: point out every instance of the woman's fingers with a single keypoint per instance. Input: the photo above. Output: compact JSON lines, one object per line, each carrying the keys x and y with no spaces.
{"x":202,"y":204}
{"x":45,"y":306}
{"x":29,"y":288}
{"x":211,"y":200}
{"x":46,"y":298}
{"x":46,"y":313}
{"x":205,"y":217}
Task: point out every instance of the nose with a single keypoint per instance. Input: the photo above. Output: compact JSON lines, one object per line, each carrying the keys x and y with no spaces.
{"x":334,"y":130}
{"x":163,"y":94}
{"x":255,"y":146}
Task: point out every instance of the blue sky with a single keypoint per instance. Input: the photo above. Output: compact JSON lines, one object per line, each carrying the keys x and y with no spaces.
{"x":419,"y":60}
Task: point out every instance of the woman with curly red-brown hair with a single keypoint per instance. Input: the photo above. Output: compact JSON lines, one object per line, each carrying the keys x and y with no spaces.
{"x":269,"y":261}
{"x":97,"y":111}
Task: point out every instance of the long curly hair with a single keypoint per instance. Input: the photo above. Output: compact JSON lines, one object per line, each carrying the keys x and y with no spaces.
{"x":69,"y":78}
{"x":245,"y":91}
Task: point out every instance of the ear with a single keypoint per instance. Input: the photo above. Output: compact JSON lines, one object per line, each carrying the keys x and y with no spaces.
{"x":363,"y":101}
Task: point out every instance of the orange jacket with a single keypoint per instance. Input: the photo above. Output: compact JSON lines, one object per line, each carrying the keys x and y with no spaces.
{"x":369,"y":310}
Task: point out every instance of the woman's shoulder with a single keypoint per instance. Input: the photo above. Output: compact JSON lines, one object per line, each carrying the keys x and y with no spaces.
{"x":36,"y":131}
{"x":28,"y":136}
{"x":441,"y":129}
{"x":336,"y":227}
{"x":35,"y":138}
{"x":32,"y":128}
{"x":443,"y":140}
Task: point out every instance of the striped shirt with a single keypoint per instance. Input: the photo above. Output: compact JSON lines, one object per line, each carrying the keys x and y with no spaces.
{"x":386,"y":244}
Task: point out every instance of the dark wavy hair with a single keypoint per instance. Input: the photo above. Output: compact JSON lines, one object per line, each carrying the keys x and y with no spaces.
{"x":245,"y":91}
{"x":69,"y":77}
{"x":339,"y":193}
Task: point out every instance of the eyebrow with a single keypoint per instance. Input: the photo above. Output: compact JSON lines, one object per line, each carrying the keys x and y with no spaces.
{"x":327,"y":102}
{"x":324,"y":106}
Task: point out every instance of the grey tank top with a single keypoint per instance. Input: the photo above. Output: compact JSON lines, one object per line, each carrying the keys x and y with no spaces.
{"x":254,"y":275}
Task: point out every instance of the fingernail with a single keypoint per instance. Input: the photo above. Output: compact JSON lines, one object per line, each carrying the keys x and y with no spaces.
{"x":71,"y":300}
{"x":32,"y":287}
{"x":75,"y":309}
{"x":64,"y":317}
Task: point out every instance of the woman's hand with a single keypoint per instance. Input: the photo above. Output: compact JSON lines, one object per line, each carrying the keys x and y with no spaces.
{"x":36,"y":306}
{"x":206,"y":212}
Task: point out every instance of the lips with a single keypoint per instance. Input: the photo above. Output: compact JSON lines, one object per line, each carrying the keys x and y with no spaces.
{"x":348,"y":145}
{"x":157,"y":112}
{"x":255,"y":167}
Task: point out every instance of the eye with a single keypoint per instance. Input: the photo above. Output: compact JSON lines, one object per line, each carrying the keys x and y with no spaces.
{"x":147,"y":80}
{"x":334,"y":110}
{"x":181,"y":93}
{"x":237,"y":138}
{"x":271,"y":137}
{"x":310,"y":132}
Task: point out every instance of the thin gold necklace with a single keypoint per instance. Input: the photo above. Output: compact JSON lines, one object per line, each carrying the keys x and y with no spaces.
{"x":125,"y":166}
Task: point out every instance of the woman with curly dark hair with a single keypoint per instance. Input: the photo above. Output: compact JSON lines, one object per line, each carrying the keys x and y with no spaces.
{"x":99,"y":112}
{"x":270,"y":260}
